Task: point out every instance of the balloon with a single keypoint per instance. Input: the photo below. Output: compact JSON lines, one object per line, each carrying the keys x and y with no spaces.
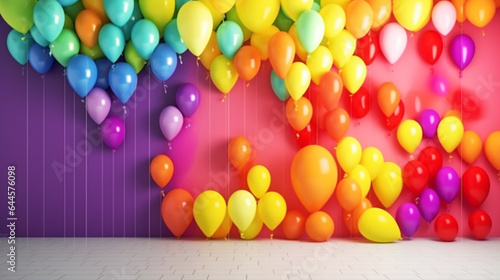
{"x":242,"y":209}
{"x":359,"y":103}
{"x":258,"y":180}
{"x":173,"y":38}
{"x":94,"y":52}
{"x":19,"y":45}
{"x":87,"y":26}
{"x":393,"y":40}
{"x":319,"y":62}
{"x":330,"y":90}
{"x":293,"y":224}
{"x":122,"y":81}
{"x":306,"y":136}
{"x":415,"y":176}
{"x":353,"y":74}
{"x":299,"y":113}
{"x":177,"y":211}
{"x":382,"y":10}
{"x":412,"y":14}
{"x":282,"y":21}
{"x":113,"y":132}
{"x":429,"y":120}
{"x":210,"y":52}
{"x":372,"y":159}
{"x":491,"y":147}
{"x":18,"y":14}
{"x":98,"y":7}
{"x":279,"y":87}
{"x":476,"y":185}
{"x":195,"y":24}
{"x":253,"y":230}
{"x":428,"y":204}
{"x":430,"y":46}
{"x":378,"y":225}
{"x":444,"y":17}
{"x":314,"y":176}
{"x":162,"y":170}
{"x":134,"y":18}
{"x":294,"y":8}
{"x":229,"y":38}
{"x":432,"y":159}
{"x":408,"y":218}
{"x":388,"y":184}
{"x":348,"y":153}
{"x":351,"y":218}
{"x":342,"y":47}
{"x":187,"y":98}
{"x":119,"y":11}
{"x":247,"y":62}
{"x":209,"y":210}
{"x":409,"y":135}
{"x":334,"y":19}
{"x":310,"y":30}
{"x":388,"y":98}
{"x":359,"y":18}
{"x":163,"y":62}
{"x":160,"y":12}
{"x":272,"y":209}
{"x":450,"y":132}
{"x":393,"y":120}
{"x":65,"y":46}
{"x":362,"y":176}
{"x":480,"y":224}
{"x":133,"y":58}
{"x":367,"y":47}
{"x":145,"y":37}
{"x":239,"y":151}
{"x":257,"y":15}
{"x":223,"y":73}
{"x":73,"y":10}
{"x":48,"y":16}
{"x":261,"y":41}
{"x":447,"y":184}
{"x":40,"y":58}
{"x":217,"y":17}
{"x":38,"y":37}
{"x":297,"y":80}
{"x":319,"y":226}
{"x":98,"y":104}
{"x":225,"y":227}
{"x":462,"y":50}
{"x":470,"y":147}
{"x":103,"y":65}
{"x":439,"y":85}
{"x":446,"y":227}
{"x":111,"y":41}
{"x":223,"y":6}
{"x":337,"y":123}
{"x":281,"y":50}
{"x":480,"y":12}
{"x":171,"y":121}
{"x":66,"y":2}
{"x":82,"y":74}
{"x":348,"y":194}
{"x":460,"y":9}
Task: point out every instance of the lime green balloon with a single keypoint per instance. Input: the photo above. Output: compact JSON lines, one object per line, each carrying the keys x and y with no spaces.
{"x":133,"y":57}
{"x":310,"y":30}
{"x":65,"y":46}
{"x":18,"y":14}
{"x":68,"y":23}
{"x":95,"y":52}
{"x":282,"y":21}
{"x":73,"y":10}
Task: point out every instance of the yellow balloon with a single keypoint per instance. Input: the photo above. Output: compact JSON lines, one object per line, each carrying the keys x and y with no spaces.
{"x":342,"y":47}
{"x":223,"y":6}
{"x":210,"y":52}
{"x":300,"y":51}
{"x":297,"y":80}
{"x":293,"y":8}
{"x":272,"y":209}
{"x":225,"y":227}
{"x":217,"y":16}
{"x":353,"y":74}
{"x":194,"y":22}
{"x":253,"y":230}
{"x":373,"y":160}
{"x":378,"y":225}
{"x":450,"y":132}
{"x":209,"y":210}
{"x":410,"y":135}
{"x":382,"y":10}
{"x":334,"y":17}
{"x":412,"y":14}
{"x":242,"y":208}
{"x":160,"y":12}
{"x":348,"y":153}
{"x":361,"y":175}
{"x":223,"y":73}
{"x":258,"y":180}
{"x":257,"y":15}
{"x":261,"y":41}
{"x":341,"y":3}
{"x":319,"y":62}
{"x":480,"y":12}
{"x":388,"y":184}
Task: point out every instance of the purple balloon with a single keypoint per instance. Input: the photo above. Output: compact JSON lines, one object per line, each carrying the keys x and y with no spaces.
{"x":113,"y":132}
{"x":188,"y":99}
{"x":171,"y":121}
{"x":462,"y":50}
{"x":408,"y":218}
{"x":429,"y":121}
{"x":98,"y":104}
{"x":447,"y":184}
{"x":428,"y":204}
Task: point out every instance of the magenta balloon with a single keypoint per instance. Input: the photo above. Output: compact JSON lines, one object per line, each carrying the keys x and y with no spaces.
{"x":98,"y":104}
{"x":462,"y":50}
{"x":428,"y":204}
{"x":188,"y":99}
{"x":447,"y":184}
{"x":408,"y":218}
{"x":429,"y":121}
{"x":113,"y":132}
{"x":171,"y":121}
{"x":439,"y":85}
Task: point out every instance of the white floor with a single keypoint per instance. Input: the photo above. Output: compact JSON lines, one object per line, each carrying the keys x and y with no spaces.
{"x":156,"y":258}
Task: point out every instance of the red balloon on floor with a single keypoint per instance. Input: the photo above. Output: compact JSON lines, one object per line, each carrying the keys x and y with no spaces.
{"x":446,"y":227}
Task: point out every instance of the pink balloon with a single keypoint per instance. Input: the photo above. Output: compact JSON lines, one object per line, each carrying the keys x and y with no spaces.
{"x":98,"y":104}
{"x":439,"y":85}
{"x":393,"y":40}
{"x":444,"y":17}
{"x":171,"y":121}
{"x":113,"y":132}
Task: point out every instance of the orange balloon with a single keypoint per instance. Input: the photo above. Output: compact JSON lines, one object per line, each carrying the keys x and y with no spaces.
{"x":382,"y":10}
{"x":319,"y":226}
{"x":470,"y":147}
{"x":247,"y":62}
{"x":177,"y":211}
{"x":98,"y":7}
{"x":359,"y":18}
{"x":239,"y":152}
{"x":293,"y":224}
{"x":330,"y":90}
{"x":299,"y":113}
{"x":281,"y":53}
{"x":162,"y":170}
{"x":349,"y":194}
{"x":337,"y":123}
{"x":480,"y":12}
{"x":87,"y":26}
{"x":261,"y":41}
{"x":210,"y":52}
{"x":351,"y":218}
{"x":460,"y":8}
{"x":224,"y":228}
{"x":388,"y":98}
{"x":492,"y":149}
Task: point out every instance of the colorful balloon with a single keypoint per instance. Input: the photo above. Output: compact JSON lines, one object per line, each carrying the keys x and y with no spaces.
{"x":299,"y":113}
{"x":281,"y":49}
{"x":359,"y":18}
{"x":261,"y":41}
{"x":242,"y":209}
{"x":177,"y":211}
{"x":171,"y":121}
{"x":173,"y":38}
{"x":113,"y":132}
{"x":81,"y":74}
{"x":382,"y":10}
{"x":462,"y":50}
{"x":491,"y":148}
{"x":459,"y":6}
{"x":429,"y":120}
{"x":409,"y":135}
{"x":65,"y":46}
{"x":310,"y":30}
{"x":187,"y":98}
{"x":428,"y":204}
{"x":119,"y":11}
{"x":330,"y":90}
{"x":103,"y":66}
{"x":388,"y":184}
{"x":229,"y":38}
{"x":408,"y":218}
{"x":257,"y":15}
{"x":430,"y":46}
{"x":112,"y":41}
{"x":253,"y":230}
{"x":98,"y":104}
{"x":431,"y":157}
{"x":272,"y":209}
{"x":133,"y":58}
{"x":39,"y":58}
{"x":247,"y":62}
{"x":48,"y":16}
{"x":447,"y":184}
{"x":342,"y":47}
{"x":415,"y":176}
{"x":348,"y":194}
{"x":362,"y":176}
{"x":412,"y":14}
{"x":372,"y":159}
{"x":297,"y":80}
{"x":444,"y":17}
{"x":18,"y":14}
{"x":223,"y":73}
{"x":378,"y":225}
{"x":134,"y":18}
{"x":480,"y":224}
{"x":353,"y":74}
{"x":160,"y":12}
{"x":348,"y":153}
{"x":122,"y":81}
{"x":163,"y":62}
{"x":209,"y":210}
{"x":239,"y":152}
{"x":470,"y":147}
{"x":195,"y":24}
{"x":87,"y":26}
{"x":38,"y":37}
{"x":319,"y":226}
{"x":388,"y":98}
{"x":480,"y":12}
{"x":368,"y":47}
{"x":210,"y":52}
{"x":393,"y":40}
{"x":337,"y":123}
{"x":258,"y":180}
{"x":450,"y":132}
{"x":439,"y":85}
{"x":293,"y":224}
{"x":319,"y":62}
{"x":446,"y":227}
{"x":476,"y":185}
{"x":279,"y":87}
{"x":351,"y":218}
{"x":98,"y":7}
{"x":18,"y":45}
{"x":145,"y":37}
{"x":393,"y":120}
{"x":334,"y":19}
{"x":359,"y":103}
{"x":224,"y":228}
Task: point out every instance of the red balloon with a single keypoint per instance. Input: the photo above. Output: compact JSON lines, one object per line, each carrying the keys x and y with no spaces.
{"x":415,"y":176}
{"x":476,"y":185}
{"x":294,"y":224}
{"x":446,"y":227}
{"x":432,"y":159}
{"x":177,"y":211}
{"x":367,"y":47}
{"x":430,"y":46}
{"x":306,"y":136}
{"x":393,"y":120}
{"x":359,"y":103}
{"x":480,"y":224}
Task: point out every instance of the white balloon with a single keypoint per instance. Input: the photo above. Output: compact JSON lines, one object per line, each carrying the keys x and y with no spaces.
{"x":444,"y":17}
{"x":393,"y":40}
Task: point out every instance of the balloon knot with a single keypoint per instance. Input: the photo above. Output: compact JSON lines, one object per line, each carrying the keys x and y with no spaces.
{"x":198,"y":61}
{"x":180,"y":59}
{"x":484,"y":33}
{"x":248,"y":84}
{"x":271,"y":236}
{"x":412,"y":157}
{"x":223,"y":98}
{"x":165,"y":88}
{"x":242,"y":236}
{"x":162,"y":193}
{"x":169,"y":146}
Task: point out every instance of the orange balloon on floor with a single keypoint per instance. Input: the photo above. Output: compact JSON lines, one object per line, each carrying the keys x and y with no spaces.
{"x":162,"y":170}
{"x":177,"y":211}
{"x":319,"y":226}
{"x":294,"y":224}
{"x":351,"y":218}
{"x":239,"y":152}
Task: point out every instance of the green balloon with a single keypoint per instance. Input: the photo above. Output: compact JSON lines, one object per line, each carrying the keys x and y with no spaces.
{"x":73,"y":10}
{"x":18,"y":14}
{"x":65,"y":46}
{"x":282,"y":21}
{"x":310,"y":30}
{"x":95,"y":52}
{"x":133,"y":58}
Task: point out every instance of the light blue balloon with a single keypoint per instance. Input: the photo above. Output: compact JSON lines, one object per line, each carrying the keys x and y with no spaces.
{"x":48,"y":16}
{"x":119,"y":11}
{"x":67,"y":2}
{"x":145,"y":37}
{"x":111,"y":41}
{"x":38,"y":37}
{"x":136,"y":16}
{"x":279,"y":87}
{"x":40,"y":58}
{"x":173,"y":38}
{"x":81,"y":72}
{"x":229,"y":38}
{"x":122,"y":81}
{"x":163,"y":62}
{"x":18,"y":45}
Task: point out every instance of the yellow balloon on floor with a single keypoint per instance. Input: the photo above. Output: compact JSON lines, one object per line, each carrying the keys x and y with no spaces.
{"x":410,"y":135}
{"x":209,"y":210}
{"x":223,"y":73}
{"x":348,"y":153}
{"x":257,"y":15}
{"x":450,"y":132}
{"x":372,"y":159}
{"x":297,"y":80}
{"x":242,"y":209}
{"x":353,"y":74}
{"x":195,"y":24}
{"x":258,"y":180}
{"x":272,"y":209}
{"x":253,"y":230}
{"x":362,"y":176}
{"x":388,"y":184}
{"x":378,"y":225}
{"x":412,"y":14}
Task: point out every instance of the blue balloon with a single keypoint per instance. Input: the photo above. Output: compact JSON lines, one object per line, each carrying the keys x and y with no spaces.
{"x":48,"y":16}
{"x":279,"y":87}
{"x":67,"y":2}
{"x":229,"y":38}
{"x":40,"y":58}
{"x":163,"y":62}
{"x":81,"y":72}
{"x":173,"y":37}
{"x":136,"y":16}
{"x":145,"y":37}
{"x":122,"y":81}
{"x":38,"y":37}
{"x":18,"y":45}
{"x":103,"y":66}
{"x":119,"y":11}
{"x":111,"y":41}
